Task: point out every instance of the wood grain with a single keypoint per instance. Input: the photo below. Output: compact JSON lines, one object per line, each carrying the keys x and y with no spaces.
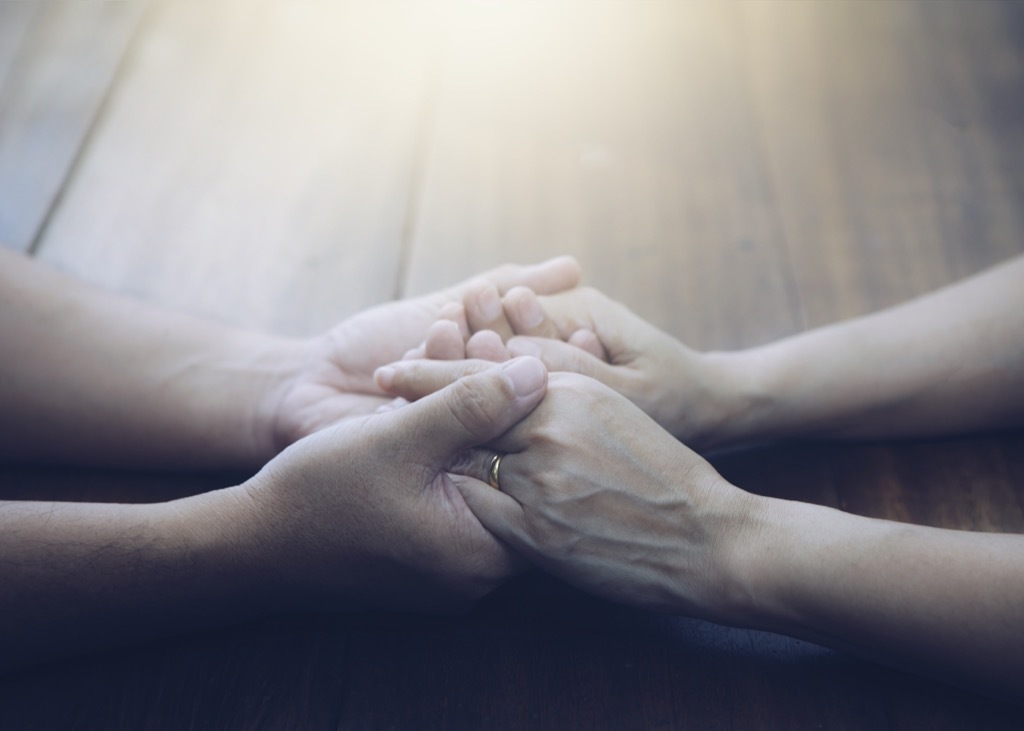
{"x":14,"y":21}
{"x":57,"y":62}
{"x":894,"y":142}
{"x":254,"y":162}
{"x":732,"y":171}
{"x":622,"y":134}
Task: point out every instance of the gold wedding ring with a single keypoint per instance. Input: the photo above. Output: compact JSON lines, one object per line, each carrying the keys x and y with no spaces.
{"x":492,"y":471}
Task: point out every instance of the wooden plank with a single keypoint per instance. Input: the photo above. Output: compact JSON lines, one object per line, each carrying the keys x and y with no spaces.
{"x":621,"y":133}
{"x":276,"y":673}
{"x":53,"y":83}
{"x":14,"y":22}
{"x":504,"y":178}
{"x":254,"y":162}
{"x":894,"y":144}
{"x":556,"y":161}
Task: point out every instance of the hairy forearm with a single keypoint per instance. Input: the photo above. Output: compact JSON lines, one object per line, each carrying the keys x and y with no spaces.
{"x":948,"y":362}
{"x":79,"y":576}
{"x":88,"y":376}
{"x":941,"y":602}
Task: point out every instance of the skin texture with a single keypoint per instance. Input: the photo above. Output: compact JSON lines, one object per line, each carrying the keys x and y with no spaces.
{"x":353,"y":509}
{"x":949,"y":362}
{"x":686,"y":392}
{"x":92,"y":377}
{"x":361,"y":514}
{"x":595,"y":492}
{"x":598,"y":493}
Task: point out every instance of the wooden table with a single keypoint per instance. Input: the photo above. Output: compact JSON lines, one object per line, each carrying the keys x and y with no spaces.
{"x":734,"y":172}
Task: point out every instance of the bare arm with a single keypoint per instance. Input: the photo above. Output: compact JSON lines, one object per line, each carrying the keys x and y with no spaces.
{"x":77,"y":576}
{"x":950,"y":361}
{"x":357,"y":515}
{"x":598,"y":494}
{"x":90,"y":376}
{"x":945,"y":603}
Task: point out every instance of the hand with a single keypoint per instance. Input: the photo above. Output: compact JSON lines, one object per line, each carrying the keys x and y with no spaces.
{"x":691,"y":394}
{"x":364,"y":512}
{"x":331,"y":377}
{"x":598,"y":494}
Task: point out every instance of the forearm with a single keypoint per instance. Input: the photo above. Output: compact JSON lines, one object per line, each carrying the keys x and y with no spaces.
{"x":947,"y":362}
{"x":92,"y":377}
{"x":940,"y":602}
{"x":80,"y":576}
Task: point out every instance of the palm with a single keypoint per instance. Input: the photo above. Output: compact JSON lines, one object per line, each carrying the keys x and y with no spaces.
{"x":337,"y":380}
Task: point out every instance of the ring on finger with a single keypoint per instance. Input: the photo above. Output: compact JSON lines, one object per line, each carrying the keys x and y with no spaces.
{"x":492,"y":471}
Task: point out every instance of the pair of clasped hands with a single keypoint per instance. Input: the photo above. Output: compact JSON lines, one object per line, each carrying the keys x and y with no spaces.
{"x":576,"y":394}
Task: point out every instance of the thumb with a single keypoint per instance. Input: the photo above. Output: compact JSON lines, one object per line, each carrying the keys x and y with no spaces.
{"x":476,"y":409}
{"x":414,"y":379}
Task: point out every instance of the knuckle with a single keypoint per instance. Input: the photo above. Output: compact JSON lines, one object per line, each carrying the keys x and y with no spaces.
{"x":472,"y":406}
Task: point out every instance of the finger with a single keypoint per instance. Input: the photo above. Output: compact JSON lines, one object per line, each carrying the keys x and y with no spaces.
{"x":484,"y":311}
{"x":444,"y":342}
{"x":497,"y":512}
{"x":455,"y":312}
{"x":548,"y":277}
{"x":587,"y":341}
{"x":526,"y":316}
{"x":559,"y":356}
{"x":391,"y":405}
{"x":478,"y":461}
{"x":473,"y":410}
{"x":417,"y":353}
{"x":486,"y":345}
{"x":414,"y":379}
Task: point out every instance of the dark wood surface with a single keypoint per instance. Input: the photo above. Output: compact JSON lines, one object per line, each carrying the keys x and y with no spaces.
{"x":734,"y":172}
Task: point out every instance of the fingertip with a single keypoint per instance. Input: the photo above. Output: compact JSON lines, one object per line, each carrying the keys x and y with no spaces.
{"x":527,"y":375}
{"x":456,"y":312}
{"x":566,"y":273}
{"x":523,"y":310}
{"x":587,"y":341}
{"x":384,"y":377}
{"x":518,"y":291}
{"x":486,"y":345}
{"x":567,"y":263}
{"x":444,"y":341}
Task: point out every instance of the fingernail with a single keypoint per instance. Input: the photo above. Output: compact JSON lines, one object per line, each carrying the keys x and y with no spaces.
{"x":525,"y":374}
{"x":490,"y":304}
{"x":518,"y":346}
{"x":384,"y":377}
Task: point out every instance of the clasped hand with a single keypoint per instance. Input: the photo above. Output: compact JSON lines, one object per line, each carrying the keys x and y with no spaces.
{"x":592,"y":488}
{"x":357,"y":509}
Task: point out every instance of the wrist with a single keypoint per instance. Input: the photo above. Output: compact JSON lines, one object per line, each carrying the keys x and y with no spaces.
{"x":781,"y":561}
{"x":283,"y":364}
{"x":730,"y":402}
{"x":230,"y":553}
{"x":218,"y":393}
{"x":741,"y":593}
